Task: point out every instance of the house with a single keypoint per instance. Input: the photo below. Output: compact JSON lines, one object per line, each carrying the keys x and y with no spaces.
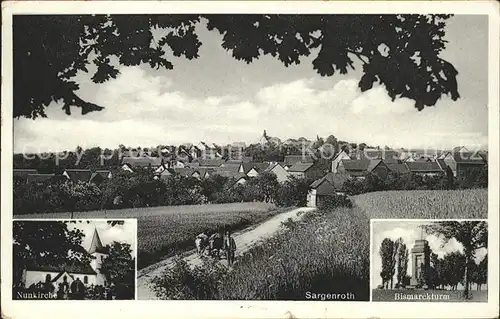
{"x":291,"y":160}
{"x":239,"y":180}
{"x":127,"y":167}
{"x":361,"y":168}
{"x":216,"y":162}
{"x":162,"y":167}
{"x":336,"y":161}
{"x":387,"y":155}
{"x":462,"y":163}
{"x":89,"y":273}
{"x":164,"y":174}
{"x":269,"y":140}
{"x":184,"y":171}
{"x":78,"y":175}
{"x":425,"y":168}
{"x":305,"y":170}
{"x":176,"y":164}
{"x":22,"y":174}
{"x":261,"y":167}
{"x":398,"y":168}
{"x":278,"y":170}
{"x":208,"y":151}
{"x":144,"y":161}
{"x":100,"y":176}
{"x":42,"y":178}
{"x":328,"y":185}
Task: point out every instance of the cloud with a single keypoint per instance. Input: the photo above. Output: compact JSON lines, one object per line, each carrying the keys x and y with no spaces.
{"x":143,"y":108}
{"x":125,"y":233}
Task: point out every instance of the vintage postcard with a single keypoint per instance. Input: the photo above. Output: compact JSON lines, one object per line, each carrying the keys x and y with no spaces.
{"x":250,"y":159}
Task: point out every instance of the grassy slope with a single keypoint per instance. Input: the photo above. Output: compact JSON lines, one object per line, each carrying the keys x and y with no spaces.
{"x":170,"y":233}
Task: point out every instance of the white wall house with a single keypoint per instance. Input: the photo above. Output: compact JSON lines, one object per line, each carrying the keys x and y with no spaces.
{"x":89,"y":274}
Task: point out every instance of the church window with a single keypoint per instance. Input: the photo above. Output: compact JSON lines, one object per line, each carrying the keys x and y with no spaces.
{"x":65,"y":278}
{"x":85,"y":279}
{"x":48,"y":278}
{"x":102,"y":257}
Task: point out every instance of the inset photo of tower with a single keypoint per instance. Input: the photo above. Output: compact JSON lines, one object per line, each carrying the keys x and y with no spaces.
{"x":74,"y":260}
{"x":429,"y":260}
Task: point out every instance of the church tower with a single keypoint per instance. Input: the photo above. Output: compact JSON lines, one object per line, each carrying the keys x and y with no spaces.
{"x":100,"y":253}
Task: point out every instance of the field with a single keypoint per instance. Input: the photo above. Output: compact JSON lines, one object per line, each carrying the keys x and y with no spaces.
{"x":173,"y":230}
{"x":157,"y":211}
{"x":469,"y":203}
{"x":436,"y":295}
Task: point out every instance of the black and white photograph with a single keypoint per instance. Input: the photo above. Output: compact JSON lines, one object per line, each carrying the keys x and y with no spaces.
{"x":252,"y":149}
{"x":429,"y":261}
{"x":74,"y":260}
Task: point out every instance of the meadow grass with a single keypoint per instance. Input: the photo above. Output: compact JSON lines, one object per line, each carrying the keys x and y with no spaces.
{"x":432,"y":204}
{"x":169,"y":233}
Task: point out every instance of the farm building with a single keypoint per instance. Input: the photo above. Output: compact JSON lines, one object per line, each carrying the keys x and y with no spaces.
{"x":278,"y":170}
{"x":336,"y":161}
{"x":305,"y":170}
{"x":217,"y":162}
{"x":425,"y":168}
{"x":328,"y":185}
{"x":461,"y":163}
{"x":361,"y":168}
{"x":291,"y":160}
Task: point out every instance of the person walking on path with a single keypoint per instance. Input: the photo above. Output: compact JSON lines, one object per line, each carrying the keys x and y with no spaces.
{"x":230,"y":247}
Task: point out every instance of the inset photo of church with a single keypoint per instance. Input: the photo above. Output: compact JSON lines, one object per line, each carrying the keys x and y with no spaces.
{"x":74,"y":260}
{"x":429,"y":260}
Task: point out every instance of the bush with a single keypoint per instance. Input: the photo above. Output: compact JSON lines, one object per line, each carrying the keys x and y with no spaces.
{"x":334,"y":201}
{"x":180,"y":282}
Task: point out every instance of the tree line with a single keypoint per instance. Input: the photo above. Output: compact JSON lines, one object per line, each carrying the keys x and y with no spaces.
{"x":141,"y":189}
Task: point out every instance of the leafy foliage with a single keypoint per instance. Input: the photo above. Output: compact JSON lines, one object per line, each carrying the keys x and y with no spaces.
{"x":401,"y":52}
{"x":46,"y":243}
{"x":473,"y":235}
{"x":119,"y":270}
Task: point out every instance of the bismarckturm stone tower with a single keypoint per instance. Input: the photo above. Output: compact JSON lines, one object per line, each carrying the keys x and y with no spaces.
{"x":420,"y":259}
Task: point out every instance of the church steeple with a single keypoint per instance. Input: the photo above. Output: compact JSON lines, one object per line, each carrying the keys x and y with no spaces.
{"x":96,"y":244}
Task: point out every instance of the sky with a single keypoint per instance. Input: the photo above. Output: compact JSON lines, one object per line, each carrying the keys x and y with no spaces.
{"x":218,"y":99}
{"x":125,"y":233}
{"x":409,"y":231}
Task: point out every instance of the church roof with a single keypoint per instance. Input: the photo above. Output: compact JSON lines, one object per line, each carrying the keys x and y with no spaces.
{"x":73,"y":268}
{"x":96,"y":244}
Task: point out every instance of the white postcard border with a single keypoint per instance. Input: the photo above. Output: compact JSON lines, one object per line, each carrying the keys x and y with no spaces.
{"x":246,"y":309}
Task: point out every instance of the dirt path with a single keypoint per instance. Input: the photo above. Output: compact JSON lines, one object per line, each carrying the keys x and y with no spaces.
{"x":244,"y":239}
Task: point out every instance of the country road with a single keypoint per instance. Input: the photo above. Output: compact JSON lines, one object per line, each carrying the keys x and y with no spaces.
{"x":244,"y":239}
